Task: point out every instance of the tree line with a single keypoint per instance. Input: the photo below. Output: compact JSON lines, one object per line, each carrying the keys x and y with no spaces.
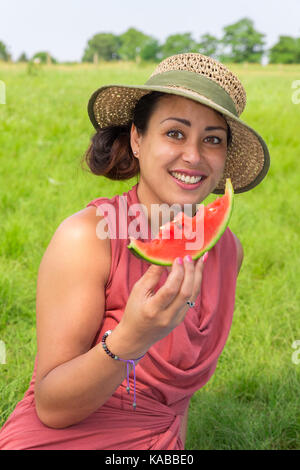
{"x":240,"y":42}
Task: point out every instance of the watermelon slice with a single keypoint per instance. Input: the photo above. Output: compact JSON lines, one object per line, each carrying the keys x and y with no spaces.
{"x":187,"y":235}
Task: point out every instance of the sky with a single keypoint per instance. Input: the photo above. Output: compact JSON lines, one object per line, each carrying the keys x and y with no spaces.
{"x":63,"y":27}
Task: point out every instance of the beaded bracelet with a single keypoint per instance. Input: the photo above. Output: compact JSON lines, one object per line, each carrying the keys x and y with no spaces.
{"x":128,"y":361}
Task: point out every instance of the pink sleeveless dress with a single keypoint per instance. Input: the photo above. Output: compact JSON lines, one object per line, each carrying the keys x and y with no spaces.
{"x":172,"y":370}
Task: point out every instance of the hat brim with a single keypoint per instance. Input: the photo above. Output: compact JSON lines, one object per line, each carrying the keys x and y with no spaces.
{"x":248,"y":159}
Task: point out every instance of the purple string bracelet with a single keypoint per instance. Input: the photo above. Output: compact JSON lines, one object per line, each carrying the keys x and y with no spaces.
{"x":128,"y":361}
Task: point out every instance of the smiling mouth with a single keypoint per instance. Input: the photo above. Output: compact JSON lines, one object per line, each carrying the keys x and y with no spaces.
{"x":186,"y":179}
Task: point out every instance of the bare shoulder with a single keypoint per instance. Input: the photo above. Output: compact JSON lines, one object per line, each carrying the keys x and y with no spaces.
{"x":79,"y":232}
{"x":240,"y":251}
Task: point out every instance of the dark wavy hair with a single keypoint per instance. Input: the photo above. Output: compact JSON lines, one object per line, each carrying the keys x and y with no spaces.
{"x":109,"y":153}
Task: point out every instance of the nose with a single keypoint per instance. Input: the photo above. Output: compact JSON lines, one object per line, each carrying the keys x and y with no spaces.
{"x":193,"y":153}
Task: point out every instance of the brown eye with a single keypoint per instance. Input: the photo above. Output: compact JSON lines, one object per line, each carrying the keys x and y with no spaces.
{"x":175,"y":134}
{"x":214,"y":139}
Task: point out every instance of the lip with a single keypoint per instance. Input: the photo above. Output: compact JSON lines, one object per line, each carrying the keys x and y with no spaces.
{"x":188,"y":186}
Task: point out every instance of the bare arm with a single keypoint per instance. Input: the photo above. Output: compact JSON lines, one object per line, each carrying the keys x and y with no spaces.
{"x":72,"y":379}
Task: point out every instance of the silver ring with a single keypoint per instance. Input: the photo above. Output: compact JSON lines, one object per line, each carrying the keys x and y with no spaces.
{"x":191,"y":304}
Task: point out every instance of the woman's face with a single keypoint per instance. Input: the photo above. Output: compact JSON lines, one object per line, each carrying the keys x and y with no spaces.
{"x":184,"y":137}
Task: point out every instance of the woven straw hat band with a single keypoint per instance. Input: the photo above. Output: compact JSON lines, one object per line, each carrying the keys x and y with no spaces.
{"x":197,"y":83}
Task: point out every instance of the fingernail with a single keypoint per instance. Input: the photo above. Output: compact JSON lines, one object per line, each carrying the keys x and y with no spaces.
{"x":188,"y":258}
{"x":179,"y":260}
{"x":204,"y":257}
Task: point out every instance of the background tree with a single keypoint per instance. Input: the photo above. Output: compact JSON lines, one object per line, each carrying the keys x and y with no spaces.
{"x":4,"y":54}
{"x":43,"y":56}
{"x":133,"y":42}
{"x":105,"y":45}
{"x":151,"y":50}
{"x":23,"y":58}
{"x":179,"y":44}
{"x":208,"y":45}
{"x":285,"y":51}
{"x":242,"y":43}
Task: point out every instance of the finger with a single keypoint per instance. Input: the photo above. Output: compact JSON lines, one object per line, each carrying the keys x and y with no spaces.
{"x":170,"y":289}
{"x":192,"y":276}
{"x":169,"y":268}
{"x":187,"y":285}
{"x":151,"y":277}
{"x":203,"y":258}
{"x":179,"y":303}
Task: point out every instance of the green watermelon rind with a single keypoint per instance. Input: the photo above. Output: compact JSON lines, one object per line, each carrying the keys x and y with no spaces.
{"x":139,"y":254}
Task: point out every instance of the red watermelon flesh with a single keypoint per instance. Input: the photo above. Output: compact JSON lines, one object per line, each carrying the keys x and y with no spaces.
{"x":178,"y":238}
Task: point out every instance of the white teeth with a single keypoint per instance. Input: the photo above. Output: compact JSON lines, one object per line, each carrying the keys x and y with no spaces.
{"x":187,"y":179}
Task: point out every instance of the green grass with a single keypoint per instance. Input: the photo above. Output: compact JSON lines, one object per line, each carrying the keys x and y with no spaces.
{"x":252,"y":401}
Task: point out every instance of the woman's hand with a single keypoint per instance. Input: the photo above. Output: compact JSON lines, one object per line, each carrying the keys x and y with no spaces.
{"x":150,"y":316}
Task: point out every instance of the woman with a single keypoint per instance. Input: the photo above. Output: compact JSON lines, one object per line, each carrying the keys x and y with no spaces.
{"x":96,"y":300}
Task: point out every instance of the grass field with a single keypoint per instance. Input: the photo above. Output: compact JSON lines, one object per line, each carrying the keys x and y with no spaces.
{"x":252,"y":401}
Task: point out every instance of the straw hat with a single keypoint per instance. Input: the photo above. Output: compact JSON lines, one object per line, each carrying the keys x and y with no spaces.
{"x":207,"y":81}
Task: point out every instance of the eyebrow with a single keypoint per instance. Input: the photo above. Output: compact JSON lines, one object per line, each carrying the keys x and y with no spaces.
{"x":188,"y":123}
